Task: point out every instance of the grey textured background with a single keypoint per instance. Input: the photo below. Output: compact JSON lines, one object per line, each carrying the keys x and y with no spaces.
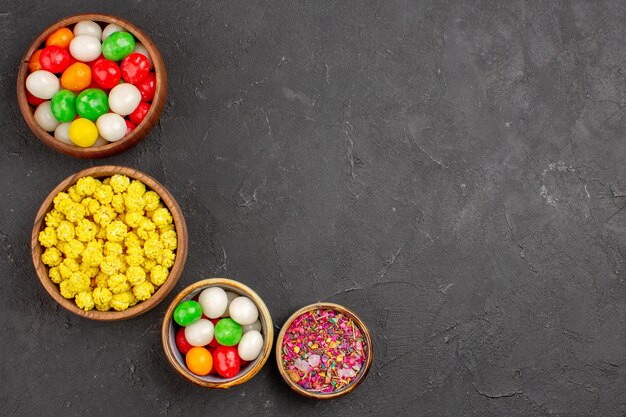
{"x":453,"y":171}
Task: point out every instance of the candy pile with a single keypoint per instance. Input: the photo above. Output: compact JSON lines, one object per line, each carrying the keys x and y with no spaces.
{"x":323,"y":350}
{"x":219,"y":333}
{"x":86,"y":81}
{"x":109,"y":244}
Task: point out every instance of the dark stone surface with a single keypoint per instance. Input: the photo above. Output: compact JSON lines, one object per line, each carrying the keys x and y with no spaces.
{"x":454,"y":172}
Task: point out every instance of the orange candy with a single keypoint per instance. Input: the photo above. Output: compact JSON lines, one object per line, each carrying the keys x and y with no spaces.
{"x":60,"y":37}
{"x":76,"y":77}
{"x":199,"y":361}
{"x":33,"y":62}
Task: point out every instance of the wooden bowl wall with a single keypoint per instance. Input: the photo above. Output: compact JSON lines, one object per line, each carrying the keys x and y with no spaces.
{"x":177,"y":360}
{"x":115,"y":147}
{"x":162,"y":291}
{"x":360,"y":376}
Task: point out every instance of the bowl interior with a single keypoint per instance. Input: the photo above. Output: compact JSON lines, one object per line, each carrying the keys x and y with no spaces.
{"x":175,"y":271}
{"x":368,"y":347}
{"x":140,"y":130}
{"x":213,"y":378}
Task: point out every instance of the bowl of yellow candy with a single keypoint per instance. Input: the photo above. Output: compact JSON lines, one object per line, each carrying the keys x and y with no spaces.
{"x":109,"y":243}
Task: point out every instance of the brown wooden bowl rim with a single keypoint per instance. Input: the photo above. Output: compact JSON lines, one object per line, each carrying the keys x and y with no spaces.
{"x":362,"y":374}
{"x":140,"y":130}
{"x":268,"y":337}
{"x":175,"y":272}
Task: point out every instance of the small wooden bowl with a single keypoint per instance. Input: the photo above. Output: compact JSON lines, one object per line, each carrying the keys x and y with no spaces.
{"x":168,"y":334}
{"x":362,"y":373}
{"x":175,"y":271}
{"x":115,"y":147}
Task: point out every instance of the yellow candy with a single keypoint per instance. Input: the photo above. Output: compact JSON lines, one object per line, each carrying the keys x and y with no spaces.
{"x":83,"y":132}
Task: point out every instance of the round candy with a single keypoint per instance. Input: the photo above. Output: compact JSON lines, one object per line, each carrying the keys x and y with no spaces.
{"x":231,"y":296}
{"x":89,"y":28}
{"x":199,"y":360}
{"x":250,"y":345}
{"x":83,"y":133}
{"x":44,"y":117}
{"x":92,"y":103}
{"x":110,"y":29}
{"x":214,"y":343}
{"x":100,"y":142}
{"x":112,"y":127}
{"x":226,"y":361}
{"x":135,"y":68}
{"x":62,"y":133}
{"x":63,"y":106}
{"x":213,"y":300}
{"x":106,"y":73}
{"x":124,"y":99}
{"x":130,"y":126}
{"x":33,"y":62}
{"x":32,"y":100}
{"x":228,"y":332}
{"x":147,"y":87}
{"x":199,"y":333}
{"x":43,"y":84}
{"x":60,"y":37}
{"x":243,"y":311}
{"x":54,"y":59}
{"x":118,"y":45}
{"x":140,"y":49}
{"x":187,"y":312}
{"x":76,"y":77}
{"x":139,"y":114}
{"x":254,"y":326}
{"x":85,"y":48}
{"x":182,"y":343}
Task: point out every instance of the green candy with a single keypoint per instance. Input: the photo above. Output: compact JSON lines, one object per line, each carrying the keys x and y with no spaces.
{"x":228,"y":332}
{"x":63,"y":106}
{"x":92,"y":103}
{"x":187,"y":312}
{"x":118,"y":45}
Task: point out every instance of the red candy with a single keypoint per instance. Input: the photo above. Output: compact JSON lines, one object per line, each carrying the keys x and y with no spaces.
{"x":181,"y":341}
{"x":106,"y":73}
{"x":226,"y":361}
{"x":147,"y":87}
{"x":129,"y":126}
{"x":140,"y":113}
{"x":54,"y":59}
{"x":32,"y":100}
{"x":135,"y":68}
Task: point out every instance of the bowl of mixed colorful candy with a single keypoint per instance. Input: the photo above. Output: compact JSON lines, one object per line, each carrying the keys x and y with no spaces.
{"x":91,"y":85}
{"x":217,"y":333}
{"x":109,"y":243}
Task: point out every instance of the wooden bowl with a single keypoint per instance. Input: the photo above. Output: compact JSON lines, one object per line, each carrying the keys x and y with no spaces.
{"x":168,"y":334}
{"x":362,"y":373}
{"x":115,"y":147}
{"x":175,"y":271}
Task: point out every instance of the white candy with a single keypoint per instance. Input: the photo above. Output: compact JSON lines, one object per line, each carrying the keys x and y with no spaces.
{"x":42,"y":84}
{"x":231,"y":296}
{"x":100,"y":142}
{"x":111,"y":29}
{"x":85,"y":48}
{"x":44,"y":117}
{"x":124,"y":99}
{"x":140,"y":49}
{"x":200,"y":333}
{"x":88,"y":28}
{"x":213,"y":301}
{"x":249,"y":327}
{"x":250,"y":345}
{"x":243,"y":311}
{"x":62,"y":133}
{"x":111,"y":127}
